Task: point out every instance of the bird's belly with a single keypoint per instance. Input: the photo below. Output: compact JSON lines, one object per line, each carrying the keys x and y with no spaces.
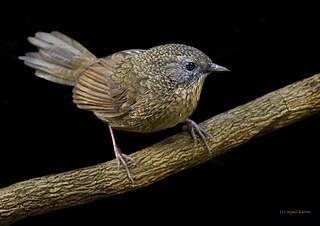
{"x":151,"y":124}
{"x":147,"y":118}
{"x":153,"y":113}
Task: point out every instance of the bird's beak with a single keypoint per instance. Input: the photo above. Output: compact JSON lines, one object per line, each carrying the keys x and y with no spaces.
{"x":217,"y":68}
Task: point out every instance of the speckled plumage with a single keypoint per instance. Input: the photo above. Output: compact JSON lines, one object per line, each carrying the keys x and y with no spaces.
{"x":132,"y":90}
{"x":145,"y":93}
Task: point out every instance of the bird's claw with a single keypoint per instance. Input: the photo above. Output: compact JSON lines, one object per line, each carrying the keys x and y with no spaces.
{"x":122,"y":160}
{"x":195,"y":128}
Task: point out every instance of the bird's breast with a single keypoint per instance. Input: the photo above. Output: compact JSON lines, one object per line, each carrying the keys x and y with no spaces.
{"x":158,"y":111}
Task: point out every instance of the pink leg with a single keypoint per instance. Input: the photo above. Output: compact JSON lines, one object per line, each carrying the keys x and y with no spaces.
{"x":120,"y":157}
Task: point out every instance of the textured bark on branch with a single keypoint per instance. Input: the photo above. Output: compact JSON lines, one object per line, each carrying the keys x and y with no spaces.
{"x":230,"y":129}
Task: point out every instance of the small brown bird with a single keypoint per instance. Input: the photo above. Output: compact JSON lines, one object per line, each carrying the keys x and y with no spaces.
{"x":132,"y":90}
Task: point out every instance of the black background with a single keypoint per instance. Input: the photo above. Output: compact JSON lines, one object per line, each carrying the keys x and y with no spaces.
{"x":266,"y":46}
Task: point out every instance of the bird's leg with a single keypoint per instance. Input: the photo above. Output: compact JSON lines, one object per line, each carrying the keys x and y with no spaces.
{"x":120,"y":157}
{"x":193,"y":128}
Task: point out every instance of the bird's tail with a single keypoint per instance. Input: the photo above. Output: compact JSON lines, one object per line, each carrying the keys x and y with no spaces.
{"x":60,"y":59}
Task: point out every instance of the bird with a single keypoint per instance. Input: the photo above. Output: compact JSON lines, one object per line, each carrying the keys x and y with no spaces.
{"x":135,"y":90}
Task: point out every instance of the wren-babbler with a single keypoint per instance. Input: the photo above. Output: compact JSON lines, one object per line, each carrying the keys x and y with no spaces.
{"x":132,"y":90}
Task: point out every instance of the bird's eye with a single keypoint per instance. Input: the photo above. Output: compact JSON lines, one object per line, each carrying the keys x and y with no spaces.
{"x":190,"y":66}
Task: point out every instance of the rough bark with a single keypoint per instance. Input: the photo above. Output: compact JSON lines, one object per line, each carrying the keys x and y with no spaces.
{"x":230,"y":129}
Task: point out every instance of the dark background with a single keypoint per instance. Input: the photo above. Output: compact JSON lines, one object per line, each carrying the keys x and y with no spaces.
{"x":266,"y":46}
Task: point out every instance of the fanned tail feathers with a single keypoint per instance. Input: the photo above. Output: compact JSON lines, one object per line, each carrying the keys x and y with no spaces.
{"x":60,"y":59}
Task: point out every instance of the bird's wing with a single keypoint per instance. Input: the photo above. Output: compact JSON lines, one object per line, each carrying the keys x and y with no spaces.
{"x":98,"y":89}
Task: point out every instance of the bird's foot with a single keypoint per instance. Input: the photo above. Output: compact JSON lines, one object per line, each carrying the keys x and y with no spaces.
{"x":194,"y":128}
{"x":122,"y":160}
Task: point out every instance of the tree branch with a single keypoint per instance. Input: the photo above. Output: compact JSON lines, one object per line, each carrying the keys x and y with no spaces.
{"x":230,"y":129}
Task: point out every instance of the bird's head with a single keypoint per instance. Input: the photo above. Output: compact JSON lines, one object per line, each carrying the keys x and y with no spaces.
{"x":180,"y":64}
